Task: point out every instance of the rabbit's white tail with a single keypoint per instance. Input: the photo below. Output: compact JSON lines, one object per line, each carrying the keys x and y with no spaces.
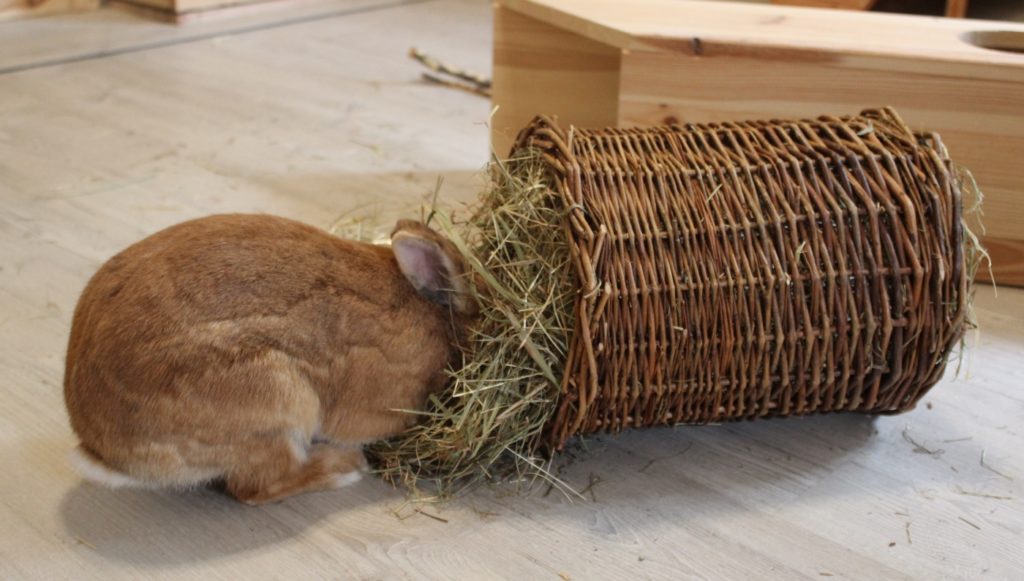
{"x":92,"y":469}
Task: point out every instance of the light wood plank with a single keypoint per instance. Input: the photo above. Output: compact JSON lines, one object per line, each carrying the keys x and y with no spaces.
{"x":956,"y":8}
{"x":16,"y":9}
{"x":181,"y":6}
{"x":118,"y":29}
{"x":1007,"y":257}
{"x":541,"y":69}
{"x":161,"y":5}
{"x":839,"y":4}
{"x":176,"y":10}
{"x":932,"y":41}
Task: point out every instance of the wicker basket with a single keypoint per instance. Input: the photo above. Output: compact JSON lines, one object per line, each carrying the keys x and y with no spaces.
{"x":745,"y":270}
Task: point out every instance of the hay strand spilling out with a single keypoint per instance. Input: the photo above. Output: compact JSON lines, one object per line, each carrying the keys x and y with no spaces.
{"x":488,"y":421}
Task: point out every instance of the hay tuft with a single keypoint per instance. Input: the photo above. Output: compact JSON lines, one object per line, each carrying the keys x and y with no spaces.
{"x":486,"y":424}
{"x":974,"y":255}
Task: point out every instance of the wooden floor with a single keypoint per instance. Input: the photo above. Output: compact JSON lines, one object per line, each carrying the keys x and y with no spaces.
{"x":112,"y":127}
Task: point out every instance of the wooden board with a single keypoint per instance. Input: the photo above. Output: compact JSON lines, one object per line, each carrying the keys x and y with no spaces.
{"x":158,"y":5}
{"x":710,"y":61}
{"x":840,"y":4}
{"x":119,"y":29}
{"x":191,"y":11}
{"x":954,"y":8}
{"x":547,"y":67}
{"x":182,"y":7}
{"x":11,"y":9}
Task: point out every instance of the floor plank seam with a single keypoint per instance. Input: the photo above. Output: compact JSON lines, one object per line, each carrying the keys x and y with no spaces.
{"x":207,"y":36}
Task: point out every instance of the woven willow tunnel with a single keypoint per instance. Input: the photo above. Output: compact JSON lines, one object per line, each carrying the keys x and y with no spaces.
{"x":696,"y":274}
{"x":744,"y":270}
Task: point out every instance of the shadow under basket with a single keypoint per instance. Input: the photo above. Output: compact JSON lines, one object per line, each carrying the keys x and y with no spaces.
{"x":745,"y":270}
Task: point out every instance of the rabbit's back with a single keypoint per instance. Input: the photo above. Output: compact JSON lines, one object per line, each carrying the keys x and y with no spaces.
{"x":193,"y":342}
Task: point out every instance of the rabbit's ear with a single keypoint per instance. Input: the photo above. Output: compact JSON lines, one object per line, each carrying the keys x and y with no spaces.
{"x":431,"y":264}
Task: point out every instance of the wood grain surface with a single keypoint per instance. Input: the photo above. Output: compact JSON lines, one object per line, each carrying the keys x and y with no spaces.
{"x":316,"y":119}
{"x":19,"y":9}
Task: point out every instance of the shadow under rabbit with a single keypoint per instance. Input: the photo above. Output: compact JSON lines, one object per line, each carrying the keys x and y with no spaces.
{"x":165,"y":528}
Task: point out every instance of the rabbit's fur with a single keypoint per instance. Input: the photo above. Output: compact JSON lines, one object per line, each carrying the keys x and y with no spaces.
{"x":259,"y":351}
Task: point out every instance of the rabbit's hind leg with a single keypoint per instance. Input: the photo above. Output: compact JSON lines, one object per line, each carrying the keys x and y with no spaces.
{"x":280,"y":470}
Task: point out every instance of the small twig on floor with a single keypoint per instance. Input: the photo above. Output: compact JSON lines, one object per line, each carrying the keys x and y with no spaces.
{"x":991,"y":469}
{"x":981,"y":494}
{"x":397,"y":511}
{"x":907,"y":529}
{"x":594,"y":481}
{"x":455,"y":85}
{"x":440,"y":67}
{"x":918,"y":448}
{"x":464,"y":79}
{"x":551,"y":486}
{"x":958,"y":440}
{"x":397,"y":514}
{"x":969,"y":522}
{"x":564,"y":488}
{"x":482,"y":513}
{"x":433,"y":516}
{"x":670,"y":456}
{"x":82,"y":541}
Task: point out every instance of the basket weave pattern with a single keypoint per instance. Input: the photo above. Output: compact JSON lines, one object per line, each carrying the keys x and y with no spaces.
{"x":742,"y":270}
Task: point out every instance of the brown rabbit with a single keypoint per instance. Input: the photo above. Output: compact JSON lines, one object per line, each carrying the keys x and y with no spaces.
{"x":258,"y":351}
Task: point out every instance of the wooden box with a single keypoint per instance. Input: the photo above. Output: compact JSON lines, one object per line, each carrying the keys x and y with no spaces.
{"x":602,"y":63}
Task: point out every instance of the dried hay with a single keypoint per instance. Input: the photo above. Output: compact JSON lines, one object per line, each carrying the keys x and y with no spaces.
{"x":487,"y":422}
